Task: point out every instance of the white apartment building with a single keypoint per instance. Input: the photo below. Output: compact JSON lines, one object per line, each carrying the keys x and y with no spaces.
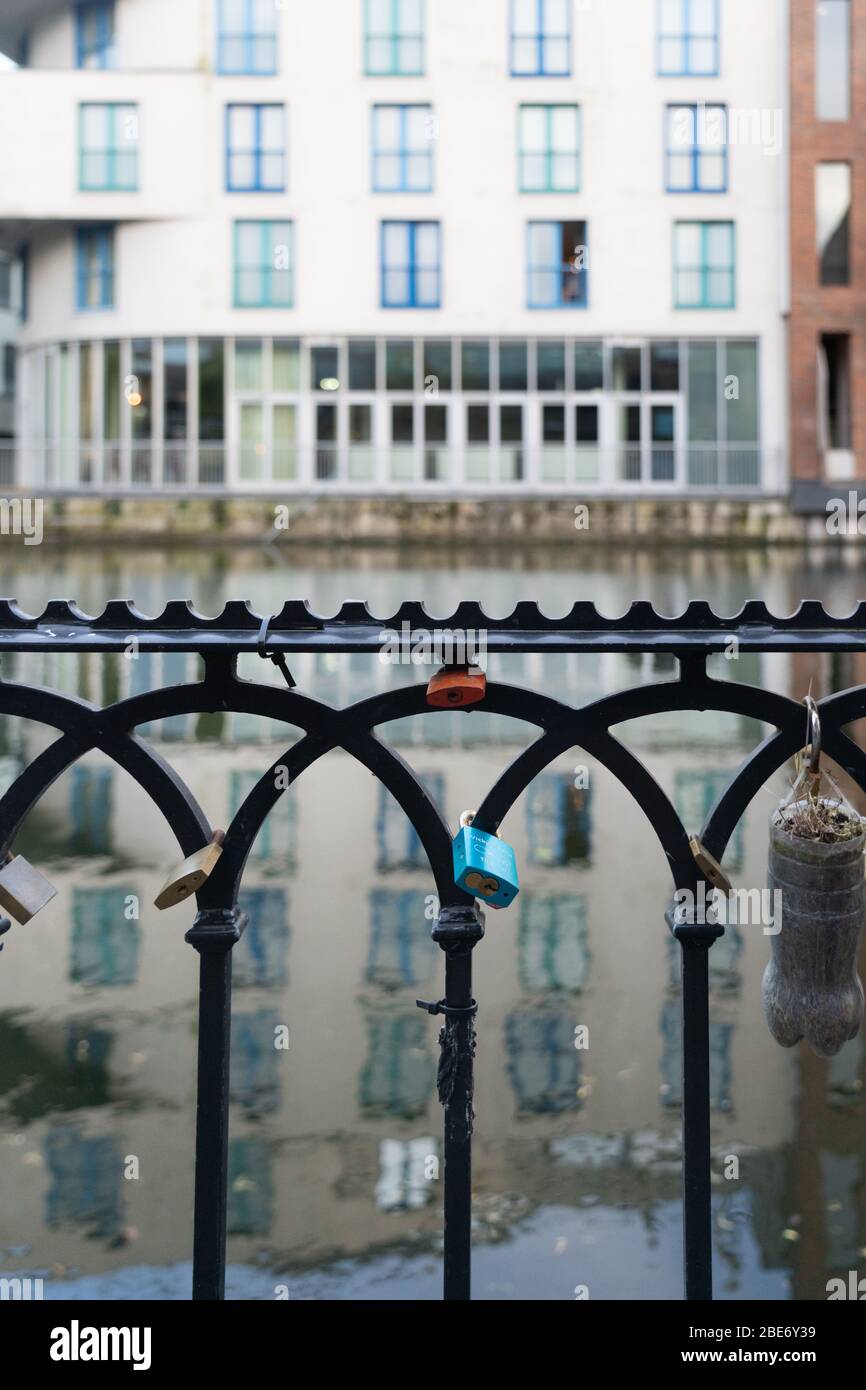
{"x":412,"y":246}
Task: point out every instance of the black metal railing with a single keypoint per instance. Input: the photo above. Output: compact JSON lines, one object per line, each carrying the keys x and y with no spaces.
{"x":219,"y":924}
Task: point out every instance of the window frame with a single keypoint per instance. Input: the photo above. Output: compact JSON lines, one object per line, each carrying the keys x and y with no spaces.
{"x":105,"y":45}
{"x":112,"y":148}
{"x":696,"y":150}
{"x":105,"y":233}
{"x":531,"y":269}
{"x":248,"y":36}
{"x":541,"y":38}
{"x":257,"y":151}
{"x":687,"y":35}
{"x":412,"y":266}
{"x":705,"y":269}
{"x":404,"y":151}
{"x":263,"y":224}
{"x":550,"y":150}
{"x":395,"y":36}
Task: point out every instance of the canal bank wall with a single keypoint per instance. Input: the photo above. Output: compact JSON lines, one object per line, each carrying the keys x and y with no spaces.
{"x":487,"y":521}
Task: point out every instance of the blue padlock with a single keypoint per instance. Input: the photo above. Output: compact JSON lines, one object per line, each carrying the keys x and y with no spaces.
{"x":484,"y":865}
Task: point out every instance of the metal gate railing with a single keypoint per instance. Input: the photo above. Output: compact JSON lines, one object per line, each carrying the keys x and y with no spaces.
{"x":219,"y":924}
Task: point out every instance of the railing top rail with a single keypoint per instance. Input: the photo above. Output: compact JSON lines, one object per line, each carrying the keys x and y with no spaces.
{"x":64,"y":627}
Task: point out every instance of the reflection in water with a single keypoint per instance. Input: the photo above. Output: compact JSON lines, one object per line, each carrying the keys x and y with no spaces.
{"x":335,"y":1140}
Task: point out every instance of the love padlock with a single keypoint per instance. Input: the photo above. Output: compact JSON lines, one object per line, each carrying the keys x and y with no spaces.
{"x":456,"y":686}
{"x":484,"y":865}
{"x":23,"y":890}
{"x":189,"y":876}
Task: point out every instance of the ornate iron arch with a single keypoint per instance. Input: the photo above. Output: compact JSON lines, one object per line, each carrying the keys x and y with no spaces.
{"x":460,"y":925}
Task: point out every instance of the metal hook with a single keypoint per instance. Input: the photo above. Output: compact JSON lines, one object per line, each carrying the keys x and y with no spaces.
{"x":813,"y":735}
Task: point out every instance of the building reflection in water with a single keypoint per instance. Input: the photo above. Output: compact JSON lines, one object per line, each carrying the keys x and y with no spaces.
{"x":85,"y":1186}
{"x":105,"y":944}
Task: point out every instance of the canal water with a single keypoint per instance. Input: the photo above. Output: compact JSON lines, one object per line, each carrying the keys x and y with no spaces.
{"x":335,"y":1166}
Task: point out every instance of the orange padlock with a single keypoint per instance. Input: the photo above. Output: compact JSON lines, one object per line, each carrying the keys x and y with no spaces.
{"x":455,"y":686}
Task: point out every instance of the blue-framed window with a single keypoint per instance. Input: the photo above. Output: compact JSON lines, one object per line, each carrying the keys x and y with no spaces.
{"x":688,"y":38}
{"x":697,"y":149}
{"x":704,"y":265}
{"x":549,"y":149}
{"x":540,"y":38}
{"x":402,"y":149}
{"x":95,"y":267}
{"x":108,"y":147}
{"x":411,"y":271}
{"x":264,"y":265}
{"x":94,"y":34}
{"x":256,"y":148}
{"x":556,"y":264}
{"x":247,"y":37}
{"x":394,"y":38}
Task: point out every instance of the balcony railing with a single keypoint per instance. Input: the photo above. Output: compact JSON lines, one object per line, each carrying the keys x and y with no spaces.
{"x":132,"y":466}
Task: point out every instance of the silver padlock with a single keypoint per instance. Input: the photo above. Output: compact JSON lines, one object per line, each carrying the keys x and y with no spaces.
{"x":23,"y":890}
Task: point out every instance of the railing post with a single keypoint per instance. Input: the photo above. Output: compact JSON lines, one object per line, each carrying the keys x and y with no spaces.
{"x":213,"y":934}
{"x":457,"y":931}
{"x":696,"y":932}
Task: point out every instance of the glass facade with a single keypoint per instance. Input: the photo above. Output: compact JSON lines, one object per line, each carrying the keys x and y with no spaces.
{"x":252,"y":411}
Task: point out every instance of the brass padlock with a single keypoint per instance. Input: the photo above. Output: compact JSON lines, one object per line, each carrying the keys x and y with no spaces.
{"x":188,"y":878}
{"x":710,"y":867}
{"x":23,"y":890}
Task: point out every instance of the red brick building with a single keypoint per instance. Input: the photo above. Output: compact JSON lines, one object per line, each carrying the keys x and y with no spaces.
{"x":827,"y":337}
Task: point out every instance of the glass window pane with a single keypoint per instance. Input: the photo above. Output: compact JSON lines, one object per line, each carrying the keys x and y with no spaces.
{"x":379,"y":55}
{"x":670,"y":16}
{"x":272,"y":131}
{"x":427,"y":288}
{"x":718,"y":242}
{"x":475,"y":366}
{"x":525,"y":16}
{"x":410,"y":16}
{"x":703,"y":392}
{"x":242,"y":127}
{"x":833,"y":60}
{"x":553,"y":424}
{"x":564,"y":128}
{"x":427,"y":244}
{"x":555,"y":16}
{"x":397,"y":288}
{"x":588,"y":366}
{"x":249,"y":362}
{"x":565,"y":173}
{"x":379,"y":16}
{"x":702,"y":57}
{"x":417,"y":124}
{"x":702,"y":16}
{"x":94,"y":126}
{"x":395,"y":244}
{"x":524,"y":56}
{"x":210,"y":388}
{"x":399,"y":365}
{"x":287,"y":364}
{"x":533,"y":128}
{"x":680,"y":172}
{"x":551,"y":366}
{"x":402,"y":424}
{"x":271,"y":171}
{"x":711,"y":172}
{"x":626,"y":368}
{"x":389,"y":173}
{"x":175,"y":388}
{"x":720,"y":289}
{"x":388,"y":127}
{"x":544,"y":244}
{"x":362,"y":364}
{"x":556,"y":57}
{"x":586,"y":424}
{"x":249,"y":243}
{"x":418,"y":173}
{"x":324,"y":368}
{"x":665,"y":366}
{"x":478,"y":424}
{"x":741,"y":411}
{"x":410,"y":56}
{"x":832,"y":221}
{"x":533,"y":177}
{"x":689,"y":289}
{"x":687,"y":241}
{"x":437,"y":363}
{"x":512,"y":366}
{"x":672,"y":55}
